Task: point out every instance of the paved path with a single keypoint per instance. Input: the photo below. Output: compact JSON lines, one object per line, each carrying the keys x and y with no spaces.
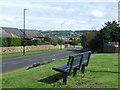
{"x":17,"y":62}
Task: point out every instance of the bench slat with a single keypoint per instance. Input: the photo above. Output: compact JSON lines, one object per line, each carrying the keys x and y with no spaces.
{"x":62,"y":68}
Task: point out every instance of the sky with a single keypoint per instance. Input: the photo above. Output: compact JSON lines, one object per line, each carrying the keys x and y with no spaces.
{"x":58,"y":15}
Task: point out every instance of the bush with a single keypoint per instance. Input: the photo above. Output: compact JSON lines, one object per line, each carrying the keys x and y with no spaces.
{"x":54,"y":42}
{"x":47,"y":39}
{"x":36,"y":42}
{"x":4,"y":42}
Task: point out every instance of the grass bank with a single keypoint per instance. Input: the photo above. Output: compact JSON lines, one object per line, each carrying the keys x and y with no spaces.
{"x":28,"y":52}
{"x":102,"y":72}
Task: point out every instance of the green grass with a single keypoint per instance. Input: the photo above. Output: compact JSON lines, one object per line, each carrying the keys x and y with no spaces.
{"x":27,"y":52}
{"x":102,"y":72}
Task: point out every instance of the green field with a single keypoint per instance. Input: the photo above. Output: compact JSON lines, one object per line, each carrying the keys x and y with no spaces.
{"x":102,"y":72}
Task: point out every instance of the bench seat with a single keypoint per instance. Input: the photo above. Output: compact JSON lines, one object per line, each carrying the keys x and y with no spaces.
{"x":62,"y":68}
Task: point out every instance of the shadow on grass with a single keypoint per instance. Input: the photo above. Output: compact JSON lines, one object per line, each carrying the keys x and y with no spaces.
{"x":104,"y":71}
{"x":52,"y":79}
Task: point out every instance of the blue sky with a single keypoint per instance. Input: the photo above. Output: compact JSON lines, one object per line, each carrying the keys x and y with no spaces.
{"x":49,"y":15}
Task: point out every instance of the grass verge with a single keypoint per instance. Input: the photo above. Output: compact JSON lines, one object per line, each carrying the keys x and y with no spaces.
{"x":27,"y":52}
{"x":102,"y":72}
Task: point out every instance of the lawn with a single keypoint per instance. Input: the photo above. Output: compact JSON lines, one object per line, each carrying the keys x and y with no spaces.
{"x":102,"y":72}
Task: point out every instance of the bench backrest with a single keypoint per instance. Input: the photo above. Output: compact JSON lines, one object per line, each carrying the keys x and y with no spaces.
{"x":75,"y":61}
{"x":86,"y":57}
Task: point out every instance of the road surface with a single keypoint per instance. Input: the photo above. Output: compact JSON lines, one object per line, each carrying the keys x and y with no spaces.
{"x":16,"y":62}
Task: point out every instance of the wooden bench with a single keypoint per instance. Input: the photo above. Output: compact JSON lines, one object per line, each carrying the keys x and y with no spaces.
{"x":74,"y":63}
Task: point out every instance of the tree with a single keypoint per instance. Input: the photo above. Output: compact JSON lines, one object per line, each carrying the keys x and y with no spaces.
{"x":87,"y":38}
{"x":96,"y":44}
{"x":95,"y":40}
{"x":111,"y":32}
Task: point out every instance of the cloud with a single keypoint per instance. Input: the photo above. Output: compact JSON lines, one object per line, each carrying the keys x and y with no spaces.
{"x":8,"y":18}
{"x":81,"y":21}
{"x":47,"y":15}
{"x":59,"y":0}
{"x":97,"y":13}
{"x":70,"y":10}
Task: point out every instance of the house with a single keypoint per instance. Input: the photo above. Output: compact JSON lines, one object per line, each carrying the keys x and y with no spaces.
{"x":10,"y":32}
{"x":15,"y":32}
{"x":33,"y":34}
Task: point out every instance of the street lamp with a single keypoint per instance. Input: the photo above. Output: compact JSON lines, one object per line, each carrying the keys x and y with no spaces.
{"x":24,"y":31}
{"x":61,"y":33}
{"x":119,"y":13}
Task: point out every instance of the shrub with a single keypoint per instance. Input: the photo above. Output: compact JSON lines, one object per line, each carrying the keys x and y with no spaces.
{"x":36,"y":42}
{"x":54,"y":42}
{"x":47,"y":39}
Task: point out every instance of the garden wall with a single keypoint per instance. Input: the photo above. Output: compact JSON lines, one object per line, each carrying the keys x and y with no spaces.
{"x":28,"y":48}
{"x":31,"y":48}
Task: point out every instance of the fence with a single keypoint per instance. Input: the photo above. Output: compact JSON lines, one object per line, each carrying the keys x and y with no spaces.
{"x":111,"y":47}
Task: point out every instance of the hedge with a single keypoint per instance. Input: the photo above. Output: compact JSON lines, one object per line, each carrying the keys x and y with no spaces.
{"x":10,"y":41}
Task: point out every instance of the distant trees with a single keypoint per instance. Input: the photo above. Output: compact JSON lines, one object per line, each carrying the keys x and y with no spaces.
{"x":74,"y":42}
{"x":61,"y":42}
{"x":95,"y":40}
{"x":54,"y":41}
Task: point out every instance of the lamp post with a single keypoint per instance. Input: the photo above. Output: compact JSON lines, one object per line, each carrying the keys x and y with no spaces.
{"x":61,"y":34}
{"x":119,"y":13}
{"x":24,"y":31}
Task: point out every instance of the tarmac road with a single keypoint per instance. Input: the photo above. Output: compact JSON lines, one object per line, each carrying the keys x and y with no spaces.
{"x":16,"y":62}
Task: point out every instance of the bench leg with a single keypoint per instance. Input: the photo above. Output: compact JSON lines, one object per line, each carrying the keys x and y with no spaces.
{"x":83,"y":69}
{"x":65,"y":79}
{"x":74,"y":72}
